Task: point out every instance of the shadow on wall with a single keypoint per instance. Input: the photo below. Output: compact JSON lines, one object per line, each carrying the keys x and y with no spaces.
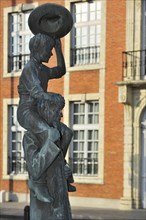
{"x":11,"y":196}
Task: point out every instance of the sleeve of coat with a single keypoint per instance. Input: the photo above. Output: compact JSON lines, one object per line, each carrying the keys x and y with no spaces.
{"x":38,"y":159}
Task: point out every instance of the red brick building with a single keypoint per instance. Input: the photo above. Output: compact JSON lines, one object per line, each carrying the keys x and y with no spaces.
{"x":105,"y":93}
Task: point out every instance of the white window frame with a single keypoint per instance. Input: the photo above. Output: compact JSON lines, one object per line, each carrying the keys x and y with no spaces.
{"x":85,"y":51}
{"x":15,"y":137}
{"x":6,"y":11}
{"x":12,"y":175}
{"x":85,"y":67}
{"x":83,"y":152}
{"x":99,"y":179}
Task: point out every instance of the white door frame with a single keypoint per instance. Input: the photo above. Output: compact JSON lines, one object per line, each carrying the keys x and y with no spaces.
{"x":143,"y":160}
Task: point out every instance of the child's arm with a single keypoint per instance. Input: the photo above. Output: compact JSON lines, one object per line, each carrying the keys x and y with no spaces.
{"x":60,"y":57}
{"x":60,"y":69}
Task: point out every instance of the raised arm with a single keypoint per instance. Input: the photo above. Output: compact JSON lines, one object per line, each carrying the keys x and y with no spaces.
{"x":59,"y":70}
{"x":60,"y":57}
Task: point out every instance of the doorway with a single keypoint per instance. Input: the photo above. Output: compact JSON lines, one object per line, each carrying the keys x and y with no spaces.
{"x":143,"y":160}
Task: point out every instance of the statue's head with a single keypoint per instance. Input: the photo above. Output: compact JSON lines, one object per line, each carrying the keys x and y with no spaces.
{"x":50,"y":111}
{"x":41,"y":46}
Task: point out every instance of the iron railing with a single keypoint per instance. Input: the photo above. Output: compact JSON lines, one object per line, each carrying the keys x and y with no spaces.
{"x":17,"y":62}
{"x":17,"y":166}
{"x":85,"y":55}
{"x":84,"y":166}
{"x":134,"y":65}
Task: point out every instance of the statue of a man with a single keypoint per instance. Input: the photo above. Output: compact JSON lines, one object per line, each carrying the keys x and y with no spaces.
{"x":47,"y":138}
{"x":50,"y":176}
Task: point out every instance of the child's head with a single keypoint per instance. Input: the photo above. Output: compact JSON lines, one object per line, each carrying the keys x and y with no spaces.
{"x":41,"y":46}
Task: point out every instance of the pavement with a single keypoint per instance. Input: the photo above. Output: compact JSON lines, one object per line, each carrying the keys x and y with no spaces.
{"x":15,"y":211}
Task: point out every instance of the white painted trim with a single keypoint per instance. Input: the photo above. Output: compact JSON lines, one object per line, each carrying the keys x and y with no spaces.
{"x":94,"y":202}
{"x":132,"y":150}
{"x":140,"y":106}
{"x":84,"y":67}
{"x":15,"y":197}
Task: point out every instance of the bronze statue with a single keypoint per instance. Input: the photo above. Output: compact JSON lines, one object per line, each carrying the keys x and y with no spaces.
{"x":47,"y":168}
{"x":47,"y":139}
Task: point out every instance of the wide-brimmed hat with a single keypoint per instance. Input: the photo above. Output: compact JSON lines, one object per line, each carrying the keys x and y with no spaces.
{"x":51,"y":19}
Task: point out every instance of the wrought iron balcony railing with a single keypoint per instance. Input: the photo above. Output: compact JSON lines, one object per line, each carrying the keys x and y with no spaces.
{"x":84,"y":166}
{"x":85,"y":55}
{"x":17,"y":62}
{"x":134,"y":65}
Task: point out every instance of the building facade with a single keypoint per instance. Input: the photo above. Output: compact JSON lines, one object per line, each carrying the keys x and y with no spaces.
{"x":105,"y":94}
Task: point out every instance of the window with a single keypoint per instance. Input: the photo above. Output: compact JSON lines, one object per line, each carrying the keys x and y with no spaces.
{"x":16,"y":36}
{"x":85,"y":39}
{"x":19,"y":36}
{"x":84,"y":153}
{"x":16,"y":162}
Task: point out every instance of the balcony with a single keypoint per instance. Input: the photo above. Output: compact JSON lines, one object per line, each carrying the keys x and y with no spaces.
{"x":134,"y":75}
{"x":85,"y":56}
{"x":134,"y":65}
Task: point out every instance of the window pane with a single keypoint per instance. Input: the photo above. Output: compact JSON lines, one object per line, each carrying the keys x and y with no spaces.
{"x":75,"y":146}
{"x":76,"y":119}
{"x":78,"y":8}
{"x":92,"y":16}
{"x":90,"y":119}
{"x":95,"y":135}
{"x":19,"y":145}
{"x":14,"y":136}
{"x":96,"y":146}
{"x":81,"y":135}
{"x":84,"y":17}
{"x":90,"y":146}
{"x":75,"y":135}
{"x":90,"y":135}
{"x":84,"y":7}
{"x":81,"y":119}
{"x":26,"y":15}
{"x":78,"y":17}
{"x":82,"y":108}
{"x":18,"y":156}
{"x":76,"y":108}
{"x":81,"y":146}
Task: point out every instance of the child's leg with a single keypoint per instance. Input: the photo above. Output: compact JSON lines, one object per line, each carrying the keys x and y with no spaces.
{"x":66,"y":136}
